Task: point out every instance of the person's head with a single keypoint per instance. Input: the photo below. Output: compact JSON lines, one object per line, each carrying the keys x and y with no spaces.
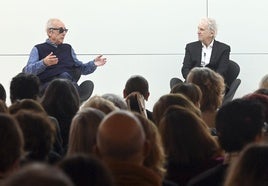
{"x":38,"y":133}
{"x":3,"y":94}
{"x":56,"y":31}
{"x":172,"y":99}
{"x":11,"y":142}
{"x":212,"y":87}
{"x":61,"y":98}
{"x":185,"y":137}
{"x":251,"y":168}
{"x":139,"y":84}
{"x":85,"y":170}
{"x":100,"y":103}
{"x":156,"y":156}
{"x":116,"y":99}
{"x":24,"y":86}
{"x":26,"y":104}
{"x":136,"y":103}
{"x":83,"y":131}
{"x":121,"y":138}
{"x":239,"y":123}
{"x":207,"y":30}
{"x":190,"y":90}
{"x":264,"y":82}
{"x":38,"y":174}
{"x":263,"y":99}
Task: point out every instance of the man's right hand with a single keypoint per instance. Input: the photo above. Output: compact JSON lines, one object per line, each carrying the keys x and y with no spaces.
{"x":51,"y":59}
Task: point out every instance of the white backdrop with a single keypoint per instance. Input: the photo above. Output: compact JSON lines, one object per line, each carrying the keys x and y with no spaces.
{"x":138,"y":37}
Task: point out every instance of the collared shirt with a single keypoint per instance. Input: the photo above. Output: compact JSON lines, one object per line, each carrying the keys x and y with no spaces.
{"x":36,"y":66}
{"x":206,"y":53}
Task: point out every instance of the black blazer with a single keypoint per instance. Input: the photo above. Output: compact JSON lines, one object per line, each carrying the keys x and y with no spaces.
{"x":218,"y":61}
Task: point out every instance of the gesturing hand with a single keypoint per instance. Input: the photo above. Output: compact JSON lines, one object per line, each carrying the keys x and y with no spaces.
{"x":99,"y":61}
{"x":50,"y":59}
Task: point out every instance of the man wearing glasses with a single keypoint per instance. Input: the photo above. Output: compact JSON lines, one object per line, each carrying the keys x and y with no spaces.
{"x":55,"y":59}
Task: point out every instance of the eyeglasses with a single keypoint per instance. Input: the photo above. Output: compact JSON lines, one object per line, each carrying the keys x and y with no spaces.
{"x":61,"y":29}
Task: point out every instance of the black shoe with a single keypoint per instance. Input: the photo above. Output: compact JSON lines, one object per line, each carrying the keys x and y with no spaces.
{"x":174,"y":81}
{"x":85,"y":90}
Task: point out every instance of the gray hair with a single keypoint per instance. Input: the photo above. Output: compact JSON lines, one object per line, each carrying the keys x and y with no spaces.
{"x":50,"y":23}
{"x":212,"y":25}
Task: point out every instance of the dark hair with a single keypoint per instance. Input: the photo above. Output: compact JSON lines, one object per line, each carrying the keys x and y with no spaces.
{"x":238,"y":123}
{"x":3,"y":94}
{"x":28,"y":104}
{"x":186,"y":138}
{"x":251,"y":168}
{"x":137,"y":83}
{"x":24,"y":86}
{"x":85,"y":170}
{"x":39,"y":134}
{"x":167,"y":100}
{"x":38,"y":174}
{"x":61,"y":100}
{"x":11,"y":141}
{"x":190,"y":90}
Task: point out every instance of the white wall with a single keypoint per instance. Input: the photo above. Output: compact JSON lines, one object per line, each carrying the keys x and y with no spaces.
{"x":138,"y":37}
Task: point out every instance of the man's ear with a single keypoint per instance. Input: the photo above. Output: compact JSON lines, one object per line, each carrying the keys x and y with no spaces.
{"x":147,"y":96}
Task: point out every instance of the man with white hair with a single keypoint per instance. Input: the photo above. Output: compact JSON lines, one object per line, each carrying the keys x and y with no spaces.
{"x":206,"y":52}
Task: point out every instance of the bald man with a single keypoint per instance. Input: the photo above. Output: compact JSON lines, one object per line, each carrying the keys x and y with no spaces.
{"x":122,"y":145}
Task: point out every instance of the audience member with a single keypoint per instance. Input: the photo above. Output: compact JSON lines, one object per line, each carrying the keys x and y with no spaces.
{"x":36,"y":107}
{"x":116,"y":100}
{"x":122,"y":145}
{"x":39,"y":135}
{"x":100,"y":103}
{"x":238,"y":123}
{"x":24,"y":86}
{"x":3,"y":94}
{"x":55,"y":59}
{"x":251,"y":168}
{"x":26,"y":104}
{"x":61,"y":101}
{"x":85,"y":170}
{"x":83,"y":131}
{"x":11,"y":142}
{"x":189,"y":146}
{"x":206,"y":52}
{"x":138,"y":83}
{"x":39,"y":174}
{"x":172,"y":99}
{"x":264,"y":82}
{"x":212,"y":88}
{"x":156,"y":156}
{"x":190,"y":90}
{"x":263,"y":99}
{"x":136,"y":103}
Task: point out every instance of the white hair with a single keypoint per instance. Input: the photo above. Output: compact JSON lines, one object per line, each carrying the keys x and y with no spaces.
{"x":212,"y":25}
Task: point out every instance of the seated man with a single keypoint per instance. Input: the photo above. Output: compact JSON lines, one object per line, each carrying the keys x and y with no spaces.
{"x":206,"y":51}
{"x":55,"y":59}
